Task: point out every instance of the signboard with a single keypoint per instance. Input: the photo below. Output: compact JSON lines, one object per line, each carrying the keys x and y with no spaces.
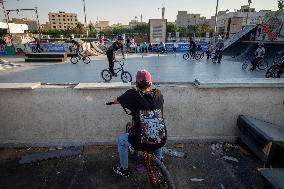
{"x":50,"y":47}
{"x":182,"y":47}
{"x":158,"y":30}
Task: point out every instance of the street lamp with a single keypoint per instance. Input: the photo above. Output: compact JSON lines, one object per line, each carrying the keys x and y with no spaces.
{"x":216,"y":14}
{"x":87,"y":31}
{"x":249,"y":2}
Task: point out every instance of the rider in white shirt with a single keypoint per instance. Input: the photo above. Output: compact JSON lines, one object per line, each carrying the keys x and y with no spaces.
{"x":259,"y":54}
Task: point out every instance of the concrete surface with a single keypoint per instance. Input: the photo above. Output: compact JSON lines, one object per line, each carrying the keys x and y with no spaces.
{"x":165,"y":68}
{"x":114,"y":85}
{"x":239,"y":82}
{"x":62,"y":116}
{"x":93,"y":169}
{"x":19,"y":86}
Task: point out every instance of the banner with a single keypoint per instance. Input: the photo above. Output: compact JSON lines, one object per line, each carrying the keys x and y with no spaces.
{"x":2,"y":50}
{"x":50,"y":47}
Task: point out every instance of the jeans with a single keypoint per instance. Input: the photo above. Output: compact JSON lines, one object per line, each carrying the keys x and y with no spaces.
{"x":255,"y":62}
{"x":122,"y":142}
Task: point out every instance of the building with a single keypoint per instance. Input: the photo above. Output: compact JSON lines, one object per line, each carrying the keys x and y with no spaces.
{"x":14,"y":28}
{"x":184,"y":19}
{"x":134,"y":23}
{"x":62,"y":20}
{"x":101,"y":24}
{"x":158,"y":30}
{"x":32,"y":24}
{"x":229,"y":23}
{"x":45,"y":26}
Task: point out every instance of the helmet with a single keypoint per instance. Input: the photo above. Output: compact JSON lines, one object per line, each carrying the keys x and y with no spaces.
{"x":143,"y":75}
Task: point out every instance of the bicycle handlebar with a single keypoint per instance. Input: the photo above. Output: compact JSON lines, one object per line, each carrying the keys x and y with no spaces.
{"x":109,"y":103}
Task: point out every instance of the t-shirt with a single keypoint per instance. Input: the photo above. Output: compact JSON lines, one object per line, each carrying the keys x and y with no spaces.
{"x":114,"y":47}
{"x":260,"y":52}
{"x":220,"y":46}
{"x":135,"y":101}
{"x":192,"y":44}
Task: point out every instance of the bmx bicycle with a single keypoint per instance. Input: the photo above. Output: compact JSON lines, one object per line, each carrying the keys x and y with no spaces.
{"x":125,"y":75}
{"x":75,"y":59}
{"x":157,"y":172}
{"x":194,"y":55}
{"x":261,"y":65}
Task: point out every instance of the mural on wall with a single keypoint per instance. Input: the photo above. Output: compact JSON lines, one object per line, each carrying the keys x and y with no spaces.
{"x":272,"y":28}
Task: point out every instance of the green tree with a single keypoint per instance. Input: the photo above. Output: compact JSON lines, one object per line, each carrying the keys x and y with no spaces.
{"x":79,"y":29}
{"x":172,"y":28}
{"x":280,"y":4}
{"x":92,"y":28}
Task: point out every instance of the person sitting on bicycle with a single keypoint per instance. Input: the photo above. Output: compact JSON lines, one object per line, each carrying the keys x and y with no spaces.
{"x":259,"y":54}
{"x":140,"y":101}
{"x":118,"y":44}
{"x":193,"y":46}
{"x":78,"y":47}
{"x":219,"y":49}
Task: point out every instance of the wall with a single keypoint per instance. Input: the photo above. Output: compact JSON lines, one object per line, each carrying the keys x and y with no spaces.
{"x":57,"y":115}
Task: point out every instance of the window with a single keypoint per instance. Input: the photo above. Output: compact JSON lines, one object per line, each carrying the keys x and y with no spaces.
{"x":53,"y":15}
{"x":63,"y":15}
{"x":63,"y":19}
{"x":75,"y":20}
{"x":53,"y":23}
{"x":54,"y":26}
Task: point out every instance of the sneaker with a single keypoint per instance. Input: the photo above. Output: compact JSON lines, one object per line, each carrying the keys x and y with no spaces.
{"x":120,"y":171}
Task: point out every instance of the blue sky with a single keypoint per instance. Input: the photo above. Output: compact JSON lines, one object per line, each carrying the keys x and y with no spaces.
{"x":124,"y":10}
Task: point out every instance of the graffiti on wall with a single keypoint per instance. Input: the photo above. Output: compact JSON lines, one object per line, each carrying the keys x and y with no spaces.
{"x":273,"y":27}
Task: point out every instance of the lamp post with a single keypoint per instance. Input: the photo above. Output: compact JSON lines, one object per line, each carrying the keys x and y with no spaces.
{"x":87,"y":31}
{"x":216,"y":14}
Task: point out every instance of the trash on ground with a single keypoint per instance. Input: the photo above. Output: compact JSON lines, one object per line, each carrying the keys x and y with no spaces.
{"x":230,"y":158}
{"x":178,"y":145}
{"x":174,"y":153}
{"x":229,"y":145}
{"x":140,"y":168}
{"x":222,"y":186}
{"x":196,"y":180}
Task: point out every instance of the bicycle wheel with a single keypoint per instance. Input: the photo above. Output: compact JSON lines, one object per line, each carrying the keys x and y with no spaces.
{"x":271,"y":72}
{"x":211,"y":55}
{"x":262,"y":65}
{"x":185,"y":56}
{"x":245,"y":65}
{"x":126,"y":77}
{"x":201,"y":55}
{"x":197,"y":56}
{"x":162,"y":175}
{"x":106,"y":75}
{"x":214,"y":59}
{"x":87,"y":60}
{"x":74,"y":60}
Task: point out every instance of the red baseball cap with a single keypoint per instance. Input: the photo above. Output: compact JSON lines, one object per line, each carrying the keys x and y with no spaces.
{"x":143,"y":75}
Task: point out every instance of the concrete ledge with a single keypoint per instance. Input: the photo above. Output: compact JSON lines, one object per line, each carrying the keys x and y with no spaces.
{"x":19,"y":86}
{"x":92,"y":86}
{"x":238,"y":83}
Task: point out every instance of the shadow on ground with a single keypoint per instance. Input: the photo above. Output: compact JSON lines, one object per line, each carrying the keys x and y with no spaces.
{"x":93,"y":170}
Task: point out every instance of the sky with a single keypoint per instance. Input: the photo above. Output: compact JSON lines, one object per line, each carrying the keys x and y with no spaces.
{"x":123,"y":11}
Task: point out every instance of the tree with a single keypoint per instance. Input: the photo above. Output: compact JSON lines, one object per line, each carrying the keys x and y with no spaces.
{"x":280,"y":4}
{"x":79,"y":29}
{"x":92,"y":28}
{"x":172,"y":28}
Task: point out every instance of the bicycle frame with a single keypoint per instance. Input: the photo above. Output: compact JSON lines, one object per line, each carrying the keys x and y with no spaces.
{"x":117,"y":70}
{"x":148,"y":158}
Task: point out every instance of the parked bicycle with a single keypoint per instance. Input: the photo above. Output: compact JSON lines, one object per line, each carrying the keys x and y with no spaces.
{"x":157,"y":172}
{"x":75,"y":59}
{"x":125,"y":75}
{"x":277,"y":69}
{"x":37,"y":50}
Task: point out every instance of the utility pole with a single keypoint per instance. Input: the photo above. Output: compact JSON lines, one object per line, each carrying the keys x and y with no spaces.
{"x":87,"y":30}
{"x":216,"y":14}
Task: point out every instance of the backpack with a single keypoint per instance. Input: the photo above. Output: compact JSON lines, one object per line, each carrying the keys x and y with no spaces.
{"x":153,"y":128}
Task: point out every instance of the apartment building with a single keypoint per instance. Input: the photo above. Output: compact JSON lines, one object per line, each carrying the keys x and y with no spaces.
{"x":62,"y":20}
{"x":184,"y":19}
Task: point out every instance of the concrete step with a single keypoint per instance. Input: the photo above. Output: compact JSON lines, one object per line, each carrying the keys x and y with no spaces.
{"x":45,"y":59}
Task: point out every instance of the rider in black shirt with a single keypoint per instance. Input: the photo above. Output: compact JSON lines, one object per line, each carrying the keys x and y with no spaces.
{"x":193,"y":46}
{"x":77,"y":47}
{"x":111,"y":52}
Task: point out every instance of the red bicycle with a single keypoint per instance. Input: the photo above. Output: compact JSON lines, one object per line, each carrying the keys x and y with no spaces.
{"x":157,"y":172}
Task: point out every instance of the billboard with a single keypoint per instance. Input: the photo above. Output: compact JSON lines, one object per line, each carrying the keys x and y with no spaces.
{"x":158,"y":30}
